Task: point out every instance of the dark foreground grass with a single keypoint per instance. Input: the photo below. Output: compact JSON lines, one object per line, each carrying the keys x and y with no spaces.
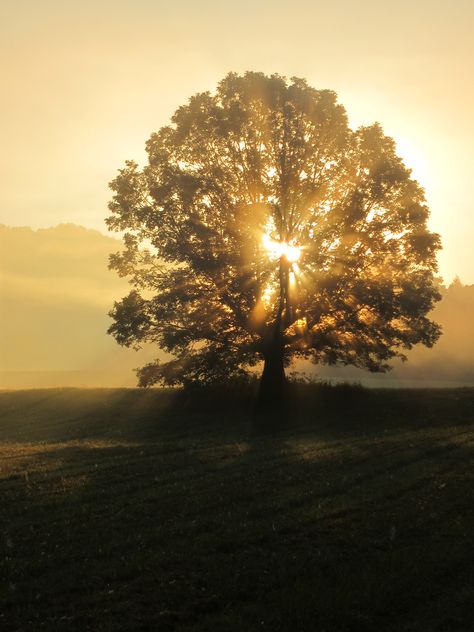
{"x":128,"y":510}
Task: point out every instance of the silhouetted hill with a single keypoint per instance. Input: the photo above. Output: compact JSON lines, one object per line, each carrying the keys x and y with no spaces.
{"x":449,"y":362}
{"x":56,"y":290}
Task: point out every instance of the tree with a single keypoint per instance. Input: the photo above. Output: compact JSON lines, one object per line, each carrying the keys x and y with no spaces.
{"x":263,"y":228}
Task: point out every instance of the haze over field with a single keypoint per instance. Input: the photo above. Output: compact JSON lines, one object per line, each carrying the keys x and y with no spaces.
{"x":56,"y":291}
{"x":86,"y":83}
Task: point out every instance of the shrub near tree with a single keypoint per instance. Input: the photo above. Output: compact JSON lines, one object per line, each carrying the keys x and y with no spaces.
{"x":264,"y":229}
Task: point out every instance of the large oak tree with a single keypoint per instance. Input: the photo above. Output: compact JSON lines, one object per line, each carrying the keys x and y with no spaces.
{"x":263,"y":228}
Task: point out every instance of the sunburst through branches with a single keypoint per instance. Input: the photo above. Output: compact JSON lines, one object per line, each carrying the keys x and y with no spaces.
{"x":281,"y":249}
{"x":285,"y":234}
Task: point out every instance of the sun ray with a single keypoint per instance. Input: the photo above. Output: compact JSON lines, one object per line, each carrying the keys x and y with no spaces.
{"x":276,"y":249}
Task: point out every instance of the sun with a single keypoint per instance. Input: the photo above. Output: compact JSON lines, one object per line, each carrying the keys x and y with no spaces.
{"x":291,"y":252}
{"x":277,"y":249}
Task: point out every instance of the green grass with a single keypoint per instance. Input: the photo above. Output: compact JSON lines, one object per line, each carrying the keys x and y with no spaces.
{"x":127,"y":510}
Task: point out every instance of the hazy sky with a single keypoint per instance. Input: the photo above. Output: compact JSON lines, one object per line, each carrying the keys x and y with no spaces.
{"x":85,"y":83}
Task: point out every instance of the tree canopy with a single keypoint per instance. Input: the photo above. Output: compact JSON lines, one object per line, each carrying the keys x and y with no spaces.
{"x":263,"y":228}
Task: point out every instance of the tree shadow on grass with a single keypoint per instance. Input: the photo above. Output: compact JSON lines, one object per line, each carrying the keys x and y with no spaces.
{"x":137,"y":414}
{"x":206,"y":524}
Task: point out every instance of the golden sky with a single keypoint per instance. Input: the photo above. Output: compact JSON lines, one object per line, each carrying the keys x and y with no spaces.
{"x":84,"y":83}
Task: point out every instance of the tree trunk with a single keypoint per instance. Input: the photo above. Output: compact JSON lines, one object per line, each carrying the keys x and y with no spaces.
{"x":272,"y":396}
{"x":272,"y":392}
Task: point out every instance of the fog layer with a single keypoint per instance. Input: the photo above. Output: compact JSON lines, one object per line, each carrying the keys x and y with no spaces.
{"x":56,"y":290}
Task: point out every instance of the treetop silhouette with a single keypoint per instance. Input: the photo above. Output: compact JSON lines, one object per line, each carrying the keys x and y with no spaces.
{"x":263,"y":228}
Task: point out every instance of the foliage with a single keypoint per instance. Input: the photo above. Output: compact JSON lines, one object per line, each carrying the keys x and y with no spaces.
{"x":262,"y":165}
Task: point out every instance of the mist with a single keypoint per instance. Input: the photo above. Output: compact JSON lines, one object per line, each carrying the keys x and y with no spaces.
{"x":56,"y":291}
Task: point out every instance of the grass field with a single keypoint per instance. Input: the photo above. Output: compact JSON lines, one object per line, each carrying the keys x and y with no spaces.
{"x":127,"y":510}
